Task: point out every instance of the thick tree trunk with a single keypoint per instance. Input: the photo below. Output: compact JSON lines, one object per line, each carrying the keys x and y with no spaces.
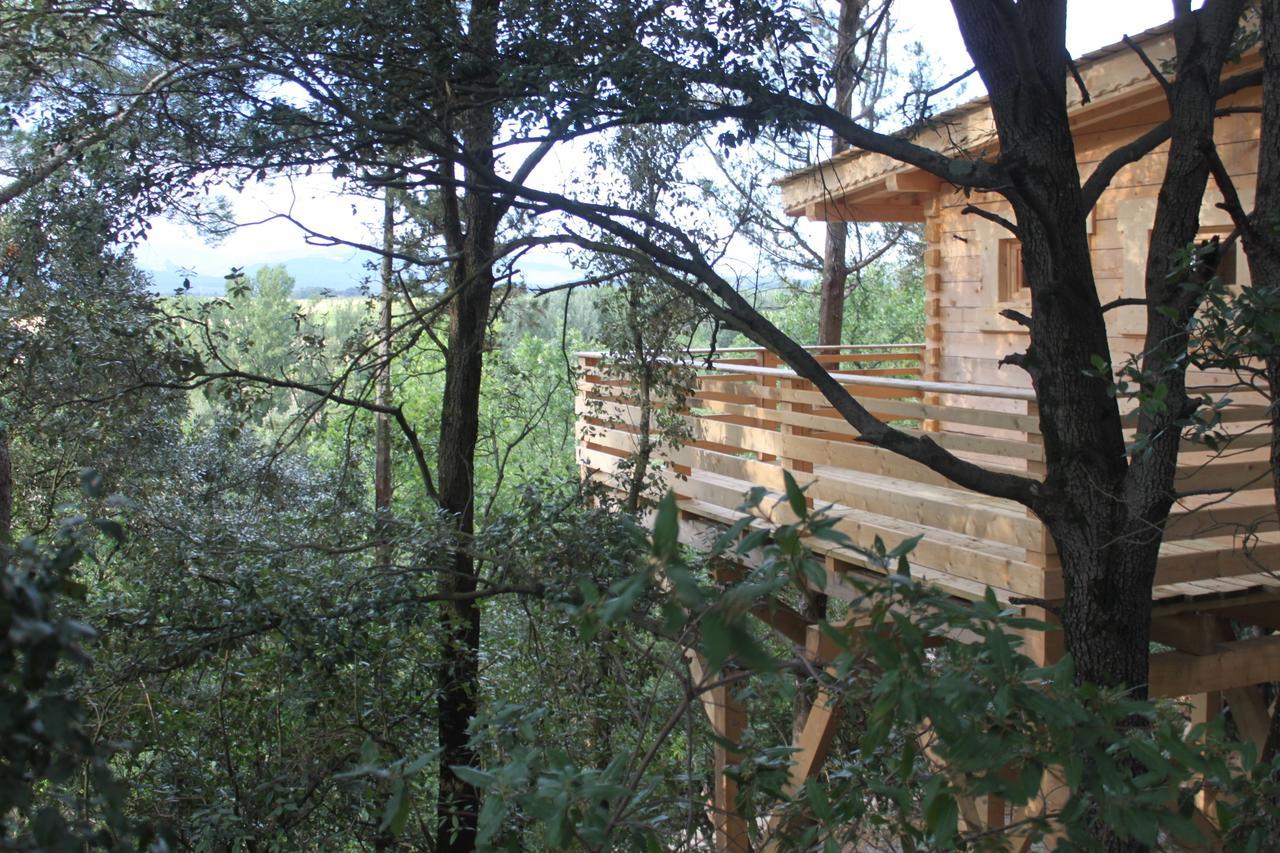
{"x":459,"y":678}
{"x":1106,"y":515}
{"x":835,"y":272}
{"x":382,"y":488}
{"x":1261,"y":241}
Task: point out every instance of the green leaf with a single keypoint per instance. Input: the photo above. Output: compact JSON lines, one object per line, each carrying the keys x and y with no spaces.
{"x":473,"y":777}
{"x":795,"y":496}
{"x":490,"y":820}
{"x":396,"y":813}
{"x":726,"y":539}
{"x":666,"y":528}
{"x":942,"y":816}
{"x":717,"y":641}
{"x":817,"y":800}
{"x":91,"y":483}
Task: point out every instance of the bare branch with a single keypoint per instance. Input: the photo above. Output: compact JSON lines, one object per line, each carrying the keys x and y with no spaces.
{"x":993,"y":217}
{"x":1156,"y":73}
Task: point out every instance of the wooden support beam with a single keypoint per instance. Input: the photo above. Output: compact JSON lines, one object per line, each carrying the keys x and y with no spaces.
{"x":729,"y":721}
{"x":814,"y":741}
{"x":912,"y":182}
{"x":698,"y":675}
{"x":829,"y":211}
{"x":1205,"y":634}
{"x":1205,"y":708}
{"x":1261,"y":615}
{"x":1194,"y":633}
{"x":784,"y":620}
{"x":1238,"y":664}
{"x":1249,"y":710}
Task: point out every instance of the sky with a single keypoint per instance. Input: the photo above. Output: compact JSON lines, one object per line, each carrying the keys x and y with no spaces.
{"x":173,"y":250}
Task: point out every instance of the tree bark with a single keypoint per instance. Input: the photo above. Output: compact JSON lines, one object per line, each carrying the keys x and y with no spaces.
{"x":1261,"y":240}
{"x":6,"y":486}
{"x":835,"y":266}
{"x":472,"y":236}
{"x":1105,"y":514}
{"x":382,"y":485}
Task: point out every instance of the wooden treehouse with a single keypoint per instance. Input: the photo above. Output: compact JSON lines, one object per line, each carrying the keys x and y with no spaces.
{"x":750,"y":419}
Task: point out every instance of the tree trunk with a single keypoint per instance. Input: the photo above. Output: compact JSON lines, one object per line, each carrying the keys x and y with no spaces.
{"x":1261,"y":240}
{"x":459,"y":429}
{"x":1105,"y":514}
{"x":472,"y":232}
{"x":835,"y":267}
{"x":644,"y":449}
{"x":382,"y":488}
{"x":6,"y":486}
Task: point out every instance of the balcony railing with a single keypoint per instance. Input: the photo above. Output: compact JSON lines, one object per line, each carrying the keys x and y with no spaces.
{"x":747,"y":420}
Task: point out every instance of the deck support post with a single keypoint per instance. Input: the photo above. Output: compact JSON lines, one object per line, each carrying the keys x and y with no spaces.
{"x":729,"y":720}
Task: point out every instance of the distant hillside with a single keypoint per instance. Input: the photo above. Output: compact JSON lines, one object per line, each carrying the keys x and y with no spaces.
{"x":315,"y":276}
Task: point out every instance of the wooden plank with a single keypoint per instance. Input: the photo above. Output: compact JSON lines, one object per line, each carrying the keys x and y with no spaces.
{"x":1224,"y":473}
{"x":912,"y":410}
{"x":730,"y":721}
{"x":919,"y":387}
{"x":1238,"y":664}
{"x":783,"y":620}
{"x":951,"y":553}
{"x":1224,"y":556}
{"x":830,"y":421}
{"x":814,"y":741}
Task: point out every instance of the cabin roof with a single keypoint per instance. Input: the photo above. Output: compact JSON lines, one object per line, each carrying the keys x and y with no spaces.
{"x":859,"y":185}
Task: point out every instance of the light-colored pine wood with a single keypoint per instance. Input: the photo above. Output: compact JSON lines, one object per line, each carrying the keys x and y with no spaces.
{"x":747,"y":416}
{"x":730,"y":720}
{"x":1237,"y":664}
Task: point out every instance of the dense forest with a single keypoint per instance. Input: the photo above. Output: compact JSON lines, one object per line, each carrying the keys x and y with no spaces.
{"x":322,"y":573}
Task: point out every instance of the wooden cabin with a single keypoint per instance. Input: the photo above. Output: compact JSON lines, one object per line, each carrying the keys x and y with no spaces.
{"x":751,"y":419}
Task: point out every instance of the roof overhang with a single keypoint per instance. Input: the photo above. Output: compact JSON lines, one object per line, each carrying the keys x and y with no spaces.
{"x":864,"y":186}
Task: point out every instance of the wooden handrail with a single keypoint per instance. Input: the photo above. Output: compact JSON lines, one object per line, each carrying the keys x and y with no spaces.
{"x":923,"y":386}
{"x":814,"y":348}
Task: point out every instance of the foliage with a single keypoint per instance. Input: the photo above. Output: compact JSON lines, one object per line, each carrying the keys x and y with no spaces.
{"x":942,"y":725}
{"x":250,"y":649}
{"x":57,"y":791}
{"x":884,"y":304}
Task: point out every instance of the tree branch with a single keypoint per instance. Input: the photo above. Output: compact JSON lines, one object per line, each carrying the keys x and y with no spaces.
{"x":1155,"y":72}
{"x":992,"y":217}
{"x":1134,"y":151}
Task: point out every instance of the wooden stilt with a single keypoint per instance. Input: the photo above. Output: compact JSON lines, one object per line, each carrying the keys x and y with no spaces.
{"x":729,"y":721}
{"x":1205,"y":708}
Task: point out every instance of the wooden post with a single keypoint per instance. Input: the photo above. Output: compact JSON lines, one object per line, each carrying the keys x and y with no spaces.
{"x":764,"y":358}
{"x":798,"y":465}
{"x":931,"y":357}
{"x":729,"y":720}
{"x":1045,"y":648}
{"x":1205,"y":708}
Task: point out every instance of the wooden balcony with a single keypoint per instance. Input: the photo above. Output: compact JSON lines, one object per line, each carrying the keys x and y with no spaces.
{"x":749,"y":420}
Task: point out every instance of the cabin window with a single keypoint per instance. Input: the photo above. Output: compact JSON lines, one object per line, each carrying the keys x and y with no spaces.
{"x":1013,"y":282}
{"x":1227,"y":260}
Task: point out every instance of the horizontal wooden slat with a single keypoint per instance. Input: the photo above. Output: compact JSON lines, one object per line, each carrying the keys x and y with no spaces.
{"x":1237,"y":664}
{"x":749,"y":422}
{"x":827,"y":422}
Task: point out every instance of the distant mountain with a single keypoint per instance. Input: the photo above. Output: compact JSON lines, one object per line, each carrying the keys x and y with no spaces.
{"x":314,"y":276}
